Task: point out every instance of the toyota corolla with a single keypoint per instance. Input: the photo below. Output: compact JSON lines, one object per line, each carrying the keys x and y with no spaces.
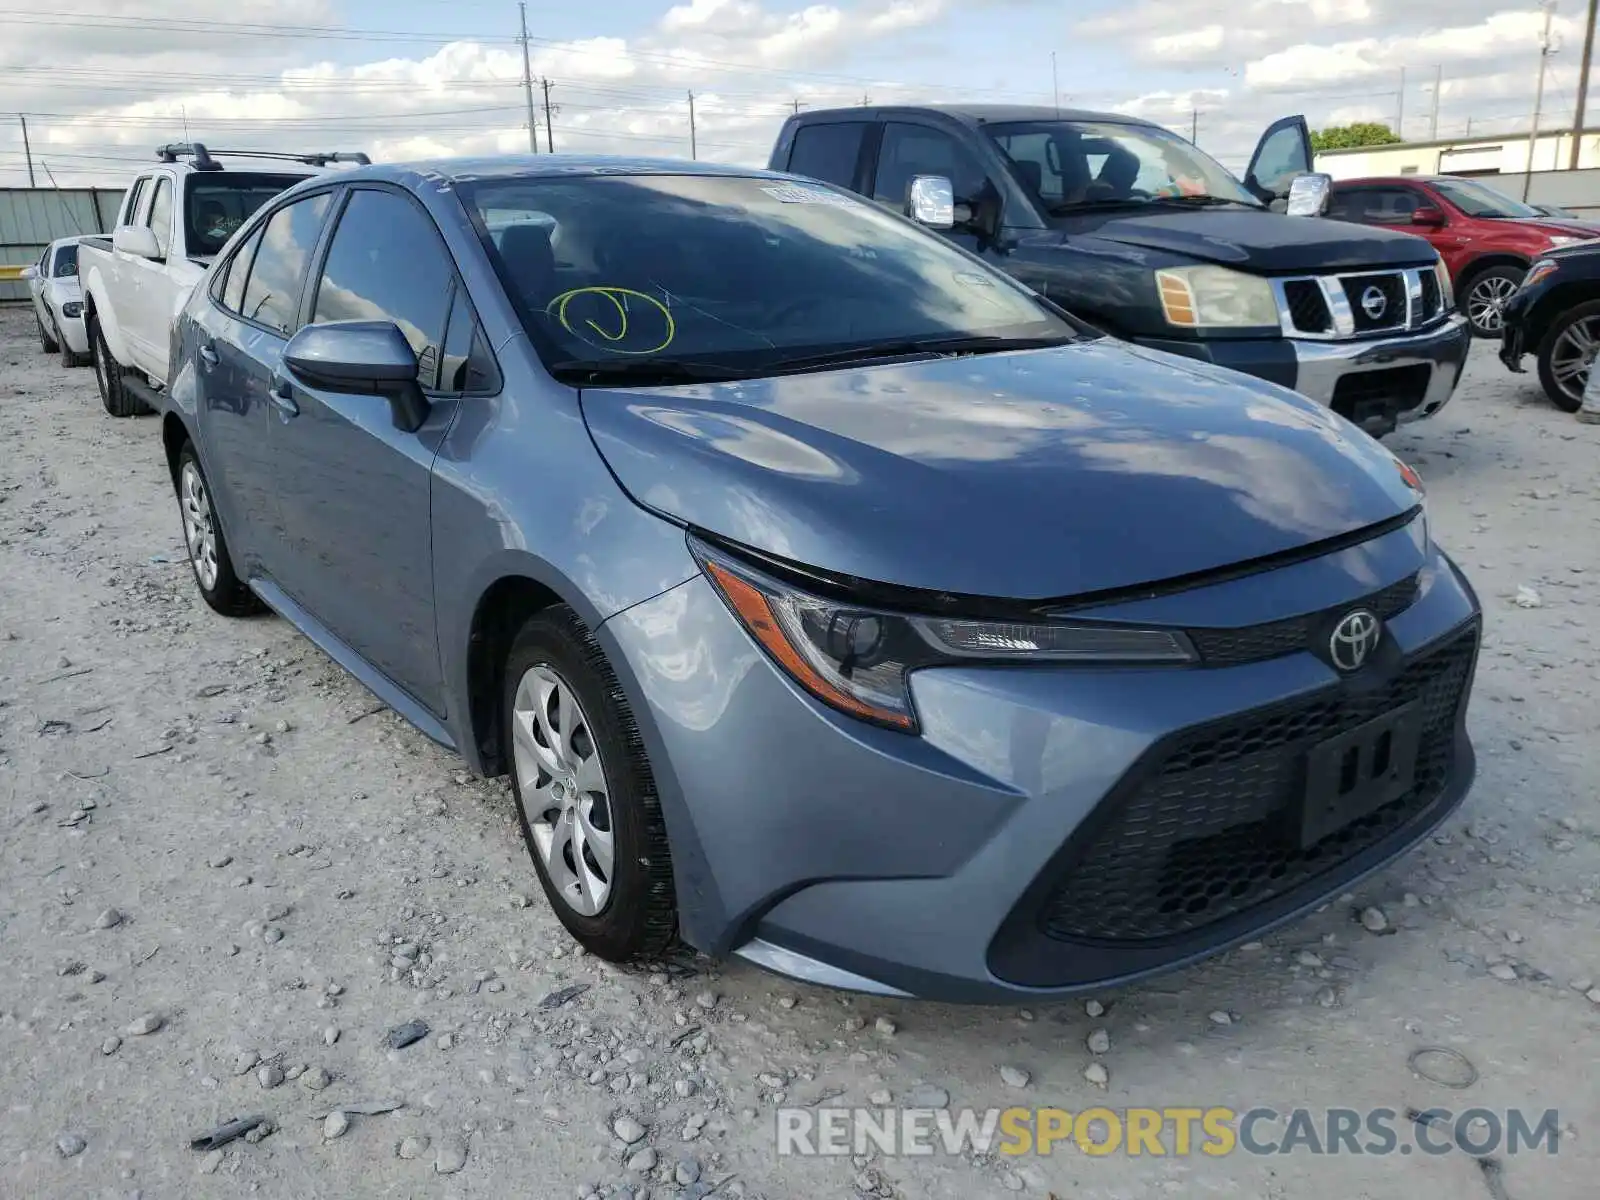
{"x":831,"y":600}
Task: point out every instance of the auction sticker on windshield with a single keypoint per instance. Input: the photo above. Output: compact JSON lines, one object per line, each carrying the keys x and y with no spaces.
{"x":790,"y":193}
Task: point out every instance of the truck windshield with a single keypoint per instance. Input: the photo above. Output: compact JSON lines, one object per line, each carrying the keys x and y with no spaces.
{"x":219,"y":202}
{"x":648,"y":278}
{"x":1476,"y":200}
{"x":1072,"y":165}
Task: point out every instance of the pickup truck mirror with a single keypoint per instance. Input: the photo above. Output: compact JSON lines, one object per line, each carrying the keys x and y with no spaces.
{"x":370,"y":358}
{"x":1429,"y":216}
{"x":1308,"y":194}
{"x":137,"y":240}
{"x":931,"y":201}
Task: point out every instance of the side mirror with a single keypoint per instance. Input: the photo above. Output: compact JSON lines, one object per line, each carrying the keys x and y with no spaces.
{"x":370,"y":358}
{"x":136,"y":240}
{"x":1429,"y":216}
{"x":1308,"y":194}
{"x":931,"y":201}
{"x":30,"y":272}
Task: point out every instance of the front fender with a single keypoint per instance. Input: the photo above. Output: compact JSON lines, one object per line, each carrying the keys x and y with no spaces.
{"x":96,"y":296}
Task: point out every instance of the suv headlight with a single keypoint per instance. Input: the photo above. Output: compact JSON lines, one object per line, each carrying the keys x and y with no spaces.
{"x":858,"y":659}
{"x":1447,"y":295}
{"x":1562,"y":239}
{"x":1215,"y":297}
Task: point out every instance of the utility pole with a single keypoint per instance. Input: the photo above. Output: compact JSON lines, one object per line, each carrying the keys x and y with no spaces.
{"x":1055,"y":85}
{"x":693,"y":149}
{"x":1538,"y":96}
{"x":1400,"y":115}
{"x":1583,"y":87}
{"x":549,"y":135}
{"x":1194,"y":126}
{"x":796,"y":107}
{"x":527,"y":82}
{"x":27,"y":150}
{"x":1433,"y":119}
{"x":866,"y":100}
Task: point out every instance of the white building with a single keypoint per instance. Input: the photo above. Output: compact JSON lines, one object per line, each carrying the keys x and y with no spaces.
{"x":1507,"y":155}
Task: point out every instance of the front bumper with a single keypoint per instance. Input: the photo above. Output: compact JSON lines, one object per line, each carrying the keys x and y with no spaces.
{"x":1378,"y":383}
{"x":940,"y":865}
{"x":74,"y":334}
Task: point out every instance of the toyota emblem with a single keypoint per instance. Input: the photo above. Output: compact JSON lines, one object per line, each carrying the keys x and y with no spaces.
{"x":1373,"y":302}
{"x":1354,"y":639}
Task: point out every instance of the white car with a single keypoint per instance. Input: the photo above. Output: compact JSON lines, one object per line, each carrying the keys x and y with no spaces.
{"x":58,"y":301}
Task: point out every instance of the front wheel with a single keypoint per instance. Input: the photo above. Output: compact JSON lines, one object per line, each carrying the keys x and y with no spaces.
{"x":1485,"y":295}
{"x":1568,"y":353}
{"x":219,"y":586}
{"x":585,"y":795}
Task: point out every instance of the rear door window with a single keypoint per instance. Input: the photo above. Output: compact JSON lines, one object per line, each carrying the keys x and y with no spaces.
{"x":828,"y":152}
{"x":272,"y":291}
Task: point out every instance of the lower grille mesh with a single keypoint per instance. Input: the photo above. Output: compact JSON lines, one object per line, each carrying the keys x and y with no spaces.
{"x":1209,"y":830}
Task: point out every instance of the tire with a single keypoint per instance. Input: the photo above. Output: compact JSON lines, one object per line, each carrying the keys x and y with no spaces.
{"x":108,"y":377}
{"x":203,"y":541}
{"x":69,"y":357}
{"x":637,"y":915}
{"x":47,"y":344}
{"x":1483,"y":295}
{"x":1574,"y":337}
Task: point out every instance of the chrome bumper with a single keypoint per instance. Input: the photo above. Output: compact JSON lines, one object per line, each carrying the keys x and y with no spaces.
{"x":1321,"y":365}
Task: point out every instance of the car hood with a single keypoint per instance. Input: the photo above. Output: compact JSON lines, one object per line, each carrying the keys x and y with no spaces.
{"x":1265,"y":243}
{"x":1027,"y":475}
{"x":1560,"y":226}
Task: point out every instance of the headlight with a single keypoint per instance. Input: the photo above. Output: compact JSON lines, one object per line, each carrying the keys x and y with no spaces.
{"x":1562,"y":239}
{"x":1447,"y":296}
{"x":1542,"y":268}
{"x":1199,"y":297}
{"x":858,"y":659}
{"x":72,"y":308}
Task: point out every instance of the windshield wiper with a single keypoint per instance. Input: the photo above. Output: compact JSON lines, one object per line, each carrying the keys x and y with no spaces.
{"x":910,"y":347}
{"x":642,"y":372}
{"x":1204,"y":201}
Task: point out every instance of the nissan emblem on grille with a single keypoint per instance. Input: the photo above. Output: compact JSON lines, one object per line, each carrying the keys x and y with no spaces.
{"x":1373,"y":302}
{"x":1354,"y":639}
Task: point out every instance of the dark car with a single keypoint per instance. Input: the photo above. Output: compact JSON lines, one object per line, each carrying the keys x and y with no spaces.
{"x":1555,"y":316}
{"x":832,"y":599}
{"x":1486,"y":238}
{"x":1131,"y":227}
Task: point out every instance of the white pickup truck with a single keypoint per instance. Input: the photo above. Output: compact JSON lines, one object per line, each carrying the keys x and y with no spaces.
{"x":174,"y":220}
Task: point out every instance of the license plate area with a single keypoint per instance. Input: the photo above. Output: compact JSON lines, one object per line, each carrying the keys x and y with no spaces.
{"x":1358,"y":772}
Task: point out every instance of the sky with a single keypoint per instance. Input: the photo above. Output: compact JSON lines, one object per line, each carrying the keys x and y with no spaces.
{"x":103,"y":83}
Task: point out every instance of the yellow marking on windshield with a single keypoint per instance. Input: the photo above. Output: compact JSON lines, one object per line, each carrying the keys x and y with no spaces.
{"x":618,"y":296}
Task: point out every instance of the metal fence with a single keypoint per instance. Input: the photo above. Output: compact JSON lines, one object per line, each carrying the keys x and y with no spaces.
{"x":32,"y":218}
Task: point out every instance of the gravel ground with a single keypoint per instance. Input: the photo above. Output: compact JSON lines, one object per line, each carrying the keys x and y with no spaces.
{"x":224,"y":878}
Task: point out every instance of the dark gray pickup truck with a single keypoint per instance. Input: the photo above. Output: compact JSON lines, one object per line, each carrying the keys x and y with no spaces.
{"x":1135,"y":229}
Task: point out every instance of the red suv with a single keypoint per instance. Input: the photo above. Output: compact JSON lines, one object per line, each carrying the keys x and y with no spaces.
{"x":1486,"y":238}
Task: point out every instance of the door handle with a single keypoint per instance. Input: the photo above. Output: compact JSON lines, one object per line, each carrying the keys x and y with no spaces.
{"x":208,"y":355}
{"x":281,"y":394}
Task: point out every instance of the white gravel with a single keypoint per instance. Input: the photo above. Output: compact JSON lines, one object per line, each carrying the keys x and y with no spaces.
{"x":135,"y":780}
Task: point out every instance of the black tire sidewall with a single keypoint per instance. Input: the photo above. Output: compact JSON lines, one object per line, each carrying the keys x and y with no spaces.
{"x":105,"y":377}
{"x":639,"y":915}
{"x":1589,"y":308}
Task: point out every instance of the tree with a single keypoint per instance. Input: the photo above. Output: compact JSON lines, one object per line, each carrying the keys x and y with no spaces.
{"x":1349,"y":137}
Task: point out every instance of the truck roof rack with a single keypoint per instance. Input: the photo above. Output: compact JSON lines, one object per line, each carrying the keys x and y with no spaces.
{"x":202,"y":160}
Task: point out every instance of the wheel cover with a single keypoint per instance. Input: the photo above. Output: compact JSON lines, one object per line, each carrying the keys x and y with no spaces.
{"x":561,"y":786}
{"x":1486,"y":302}
{"x":199,"y":529}
{"x":1573,"y":354}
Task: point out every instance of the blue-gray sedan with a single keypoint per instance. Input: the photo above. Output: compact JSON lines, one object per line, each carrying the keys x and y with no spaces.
{"x":831,"y":599}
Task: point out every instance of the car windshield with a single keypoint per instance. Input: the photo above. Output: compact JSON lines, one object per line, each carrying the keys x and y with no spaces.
{"x":668,"y":276}
{"x":1071,"y":165}
{"x":66,"y":261}
{"x":219,"y":202}
{"x":1476,"y":200}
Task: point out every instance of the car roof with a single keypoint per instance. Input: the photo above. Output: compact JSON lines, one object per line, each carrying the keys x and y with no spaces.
{"x":538,"y":166}
{"x":977,"y":114}
{"x":73,"y":239}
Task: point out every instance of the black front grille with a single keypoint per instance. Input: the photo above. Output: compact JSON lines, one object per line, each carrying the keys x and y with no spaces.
{"x":1365,"y":292}
{"x":1381,"y":393}
{"x":1207,"y":828}
{"x":1308,"y":307}
{"x":1430,"y":298}
{"x":1254,"y":643}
